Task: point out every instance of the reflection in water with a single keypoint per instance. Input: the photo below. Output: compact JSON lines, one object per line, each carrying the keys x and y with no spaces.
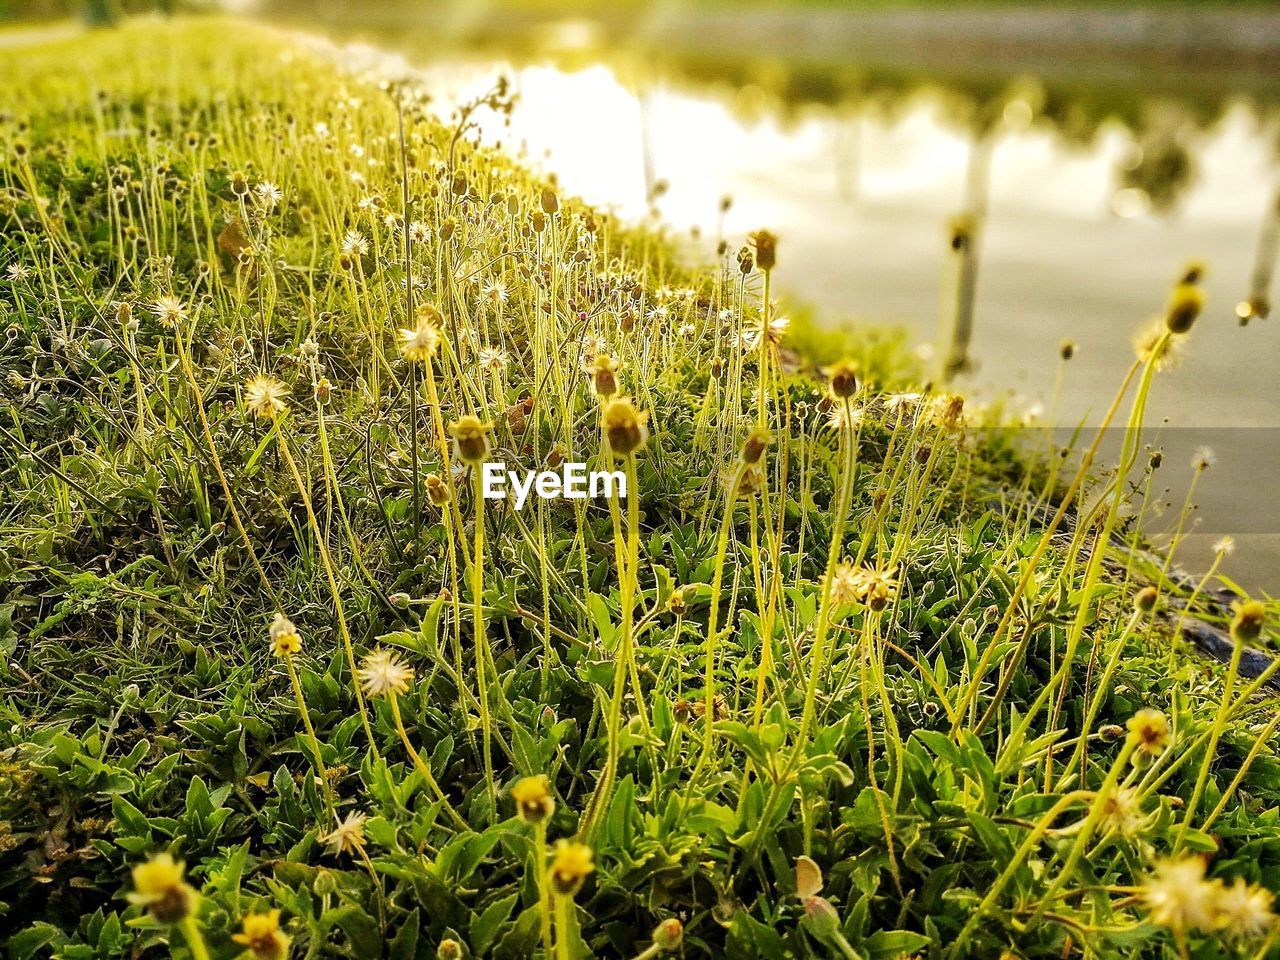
{"x":1081,"y":209}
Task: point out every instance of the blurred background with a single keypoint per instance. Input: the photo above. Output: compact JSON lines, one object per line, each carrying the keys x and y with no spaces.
{"x":994,"y":177}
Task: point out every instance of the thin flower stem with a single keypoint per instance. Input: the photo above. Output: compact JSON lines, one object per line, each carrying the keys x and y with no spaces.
{"x":282,"y":443}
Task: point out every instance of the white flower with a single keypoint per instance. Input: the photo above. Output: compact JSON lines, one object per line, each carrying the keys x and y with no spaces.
{"x":268,"y":194}
{"x":383,"y":674}
{"x":1203,"y":458}
{"x":355,"y":243}
{"x":348,"y":835}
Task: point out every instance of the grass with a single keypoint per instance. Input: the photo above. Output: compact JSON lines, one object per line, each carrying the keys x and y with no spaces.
{"x":847,"y":673}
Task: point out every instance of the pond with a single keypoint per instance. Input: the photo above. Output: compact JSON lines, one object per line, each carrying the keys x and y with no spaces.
{"x":1089,"y":189}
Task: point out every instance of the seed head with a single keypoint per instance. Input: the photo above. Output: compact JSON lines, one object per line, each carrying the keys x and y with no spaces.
{"x":169,"y":310}
{"x":348,"y":835}
{"x":383,"y":674}
{"x":264,"y":397}
{"x":624,"y":427}
{"x":1067,"y":349}
{"x":419,"y":343}
{"x":1243,"y":911}
{"x":1178,"y":896}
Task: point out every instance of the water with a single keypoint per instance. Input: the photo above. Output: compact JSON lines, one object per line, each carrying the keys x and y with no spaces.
{"x":1087,"y":222}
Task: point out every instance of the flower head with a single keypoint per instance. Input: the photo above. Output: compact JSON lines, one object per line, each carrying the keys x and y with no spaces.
{"x":264,"y":397}
{"x":603,"y":373}
{"x":158,"y":886}
{"x":1178,"y":896}
{"x":169,"y":310}
{"x":623,"y":426}
{"x":1122,"y":810}
{"x":842,"y":379}
{"x":419,"y":343}
{"x":534,"y":802}
{"x":348,"y":835}
{"x":383,"y":674}
{"x":285,"y":639}
{"x":1243,"y":911}
{"x":1149,"y":731}
{"x":470,"y":438}
{"x":570,"y":866}
{"x":260,"y":934}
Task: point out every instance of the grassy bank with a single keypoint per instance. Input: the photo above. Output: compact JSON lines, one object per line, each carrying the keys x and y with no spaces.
{"x":844,"y":675}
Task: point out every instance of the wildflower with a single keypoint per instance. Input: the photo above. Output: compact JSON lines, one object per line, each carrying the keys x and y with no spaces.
{"x":534,"y":802}
{"x":768,"y":334}
{"x":495,"y":292}
{"x":348,"y":835}
{"x":449,"y":949}
{"x":1243,"y":911}
{"x":842,"y":379}
{"x":268,"y":194}
{"x":285,"y":639}
{"x":766,"y":249}
{"x":1179,"y":897}
{"x":383,"y":674}
{"x":355,"y":244}
{"x":494,"y":359}
{"x":753,"y":448}
{"x":438,"y":491}
{"x":901,"y":402}
{"x":1154,"y":345}
{"x":669,"y":934}
{"x":676,"y":603}
{"x":1184,"y":307}
{"x":624,"y":428}
{"x":1145,"y":599}
{"x":1203,"y":458}
{"x":158,"y":886}
{"x":845,"y":584}
{"x":1225,"y":546}
{"x":419,"y":344}
{"x":17,"y":272}
{"x":948,"y":412}
{"x":419,"y":232}
{"x":570,"y":867}
{"x":169,"y":310}
{"x":1246,"y":625}
{"x":603,"y":371}
{"x":260,"y":934}
{"x":1122,"y":810}
{"x":264,"y":397}
{"x":470,"y":437}
{"x":1149,"y":731}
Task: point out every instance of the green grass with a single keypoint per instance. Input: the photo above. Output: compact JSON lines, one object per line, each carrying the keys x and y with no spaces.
{"x":850,"y":692}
